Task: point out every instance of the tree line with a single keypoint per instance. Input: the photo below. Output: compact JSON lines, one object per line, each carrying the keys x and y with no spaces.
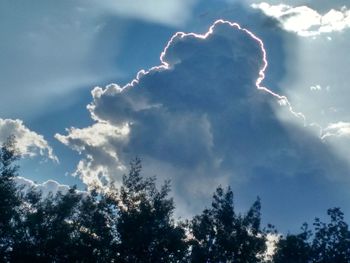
{"x":134,"y":223}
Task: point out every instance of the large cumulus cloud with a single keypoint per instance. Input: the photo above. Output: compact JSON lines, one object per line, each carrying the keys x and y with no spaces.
{"x":201,"y":118}
{"x":172,"y":109}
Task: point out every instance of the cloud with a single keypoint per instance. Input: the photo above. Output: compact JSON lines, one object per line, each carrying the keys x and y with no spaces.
{"x":317,"y":88}
{"x":271,"y":241}
{"x":306,"y":21}
{"x":337,"y":136}
{"x":339,"y":129}
{"x":203,"y":118}
{"x":164,"y":122}
{"x":99,"y":143}
{"x":28,"y":142}
{"x":317,"y":69}
{"x":170,"y":12}
{"x":45,"y":188}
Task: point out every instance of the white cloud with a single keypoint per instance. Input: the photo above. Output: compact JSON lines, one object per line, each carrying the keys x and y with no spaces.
{"x":45,"y":188}
{"x":338,"y":129}
{"x":306,"y":21}
{"x":28,"y":142}
{"x":99,"y":143}
{"x":169,"y":12}
{"x":316,"y":88}
{"x":271,"y":241}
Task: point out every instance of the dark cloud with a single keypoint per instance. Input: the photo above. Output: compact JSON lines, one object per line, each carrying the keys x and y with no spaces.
{"x":200,"y":120}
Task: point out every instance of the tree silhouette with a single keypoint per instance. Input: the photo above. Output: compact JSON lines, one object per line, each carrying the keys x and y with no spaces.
{"x":133,"y":223}
{"x":294,"y":248}
{"x":332,"y":240}
{"x":219,"y":235}
{"x":328,"y":243}
{"x":45,"y":231}
{"x":9,"y":199}
{"x":146,"y":230}
{"x":96,"y":228}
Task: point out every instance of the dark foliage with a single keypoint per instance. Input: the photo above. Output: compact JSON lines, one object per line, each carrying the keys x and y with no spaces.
{"x":147,"y":232}
{"x":134,"y":223}
{"x":294,"y":248}
{"x":328,"y":243}
{"x":9,"y":199}
{"x":222,"y":236}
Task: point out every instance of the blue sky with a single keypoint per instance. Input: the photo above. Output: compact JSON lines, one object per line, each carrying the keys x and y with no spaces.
{"x":72,"y":94}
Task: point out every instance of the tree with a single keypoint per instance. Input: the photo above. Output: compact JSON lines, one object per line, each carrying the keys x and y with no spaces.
{"x":135,"y":224}
{"x":45,"y":232}
{"x":330,"y":243}
{"x":146,"y":229}
{"x":219,"y":235}
{"x":96,"y":228}
{"x":294,"y":248}
{"x":9,"y":198}
{"x":332,"y":240}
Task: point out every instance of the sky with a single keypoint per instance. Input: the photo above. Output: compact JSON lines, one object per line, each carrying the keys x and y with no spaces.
{"x":228,"y":92}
